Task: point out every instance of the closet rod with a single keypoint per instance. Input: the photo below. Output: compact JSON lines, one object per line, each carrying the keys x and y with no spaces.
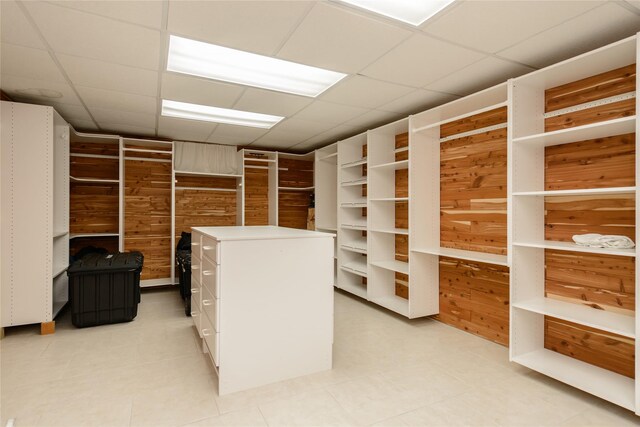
{"x":144,"y":159}
{"x":94,"y":156}
{"x":142,"y":150}
{"x":206,"y":189}
{"x":255,"y":167}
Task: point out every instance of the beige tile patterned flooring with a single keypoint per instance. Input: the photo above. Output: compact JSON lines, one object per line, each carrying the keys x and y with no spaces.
{"x":388,"y":371}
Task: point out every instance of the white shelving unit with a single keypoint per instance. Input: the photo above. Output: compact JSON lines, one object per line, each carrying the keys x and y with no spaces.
{"x":265,"y":160}
{"x":351,"y":224}
{"x":326,"y":183}
{"x":35,"y":214}
{"x":527,"y":142}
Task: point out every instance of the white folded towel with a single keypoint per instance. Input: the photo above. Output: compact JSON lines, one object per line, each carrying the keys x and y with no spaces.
{"x":594,"y":240}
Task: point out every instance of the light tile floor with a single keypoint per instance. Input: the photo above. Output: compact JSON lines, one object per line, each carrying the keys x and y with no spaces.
{"x":388,"y":371}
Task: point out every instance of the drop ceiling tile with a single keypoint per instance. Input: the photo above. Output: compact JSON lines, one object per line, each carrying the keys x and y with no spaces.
{"x":254,"y":26}
{"x":15,"y":28}
{"x":26,"y":90}
{"x":109,"y":76}
{"x":118,"y":117}
{"x":360,"y":91}
{"x":227,"y":140}
{"x":481,"y":75}
{"x":329,"y":112}
{"x":82,"y":34}
{"x":340,"y":39}
{"x":128,"y":130}
{"x":372,"y":119}
{"x":417,"y":101}
{"x":29,"y":63}
{"x":72,"y":113}
{"x":302,"y":129}
{"x":269,"y":102}
{"x":180,"y":87}
{"x":112,"y":100}
{"x":276,"y":140}
{"x":595,"y":28}
{"x":336,"y":134}
{"x":147,"y":13}
{"x":184,"y":130}
{"x":242,"y":133}
{"x":491,"y":26}
{"x":420,"y":60}
{"x":634,"y":3}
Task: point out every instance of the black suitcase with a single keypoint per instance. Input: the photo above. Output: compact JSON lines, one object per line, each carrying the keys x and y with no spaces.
{"x":183,"y":261}
{"x":105,"y":288}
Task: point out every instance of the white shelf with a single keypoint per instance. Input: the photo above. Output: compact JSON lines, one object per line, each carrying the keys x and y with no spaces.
{"x":259,"y":160}
{"x":296,"y":188}
{"x":390,"y":199}
{"x":356,"y":267}
{"x":360,"y":181}
{"x":393,"y":265}
{"x":467,"y":255}
{"x":357,"y":250}
{"x":358,"y":290}
{"x":334,"y":229}
{"x":357,"y":245}
{"x":392,"y":231}
{"x":80,"y":235}
{"x":355,"y":163}
{"x":94,"y":180}
{"x":60,"y":271}
{"x":599,"y":319}
{"x":568,"y":246}
{"x":458,"y":116}
{"x":401,"y":149}
{"x":584,"y":192}
{"x":402,"y":164}
{"x":329,"y":156}
{"x":581,"y":133}
{"x":57,"y":234}
{"x":354,"y":204}
{"x":359,"y":227}
{"x":600,"y":382}
{"x":394,"y":303}
{"x":215,"y":175}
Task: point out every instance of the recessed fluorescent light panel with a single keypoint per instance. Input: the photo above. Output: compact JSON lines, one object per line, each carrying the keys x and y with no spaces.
{"x":184,"y":110}
{"x":413,"y":12}
{"x":235,"y":66}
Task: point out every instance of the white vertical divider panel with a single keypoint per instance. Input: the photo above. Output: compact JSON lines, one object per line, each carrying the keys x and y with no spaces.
{"x":240,"y":189}
{"x":273,"y":189}
{"x":121,"y":196}
{"x":637,"y":288}
{"x":173,"y":214}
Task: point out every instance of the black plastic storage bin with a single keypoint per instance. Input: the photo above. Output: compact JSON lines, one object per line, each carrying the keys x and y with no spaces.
{"x":183,"y":265}
{"x":105,"y":288}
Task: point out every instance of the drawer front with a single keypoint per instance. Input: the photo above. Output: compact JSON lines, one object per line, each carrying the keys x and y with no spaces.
{"x":196,"y":269}
{"x":196,"y":313}
{"x":210,"y":249}
{"x":211,"y":308}
{"x":211,"y":277}
{"x":211,"y":339}
{"x":196,"y":245}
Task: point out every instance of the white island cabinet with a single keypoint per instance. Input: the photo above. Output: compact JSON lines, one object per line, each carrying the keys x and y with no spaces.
{"x":262,"y":301}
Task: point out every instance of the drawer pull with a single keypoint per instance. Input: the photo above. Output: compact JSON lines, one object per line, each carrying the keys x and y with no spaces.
{"x":208,"y":273}
{"x":195,"y":290}
{"x":207,"y":302}
{"x":195,"y":244}
{"x":207,"y":332}
{"x":207,"y":247}
{"x":195,"y":267}
{"x":194,"y":314}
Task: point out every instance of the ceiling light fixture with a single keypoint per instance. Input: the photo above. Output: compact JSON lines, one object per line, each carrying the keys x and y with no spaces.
{"x":185,"y":110}
{"x":412,"y":12}
{"x":236,"y":66}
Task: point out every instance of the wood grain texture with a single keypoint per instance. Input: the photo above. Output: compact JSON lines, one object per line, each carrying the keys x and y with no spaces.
{"x":202,"y":208}
{"x":93,"y":208}
{"x":99,"y":148}
{"x":603,"y":282}
{"x":256,"y":196}
{"x":295,"y":173}
{"x":474,"y":297}
{"x":614,"y":82}
{"x":293,"y":208}
{"x":402,"y":141}
{"x":94,"y":168}
{"x":402,"y":216}
{"x":603,"y":349}
{"x":473,"y":186}
{"x":147,"y":215}
{"x":596,"y":163}
{"x":604,"y":85}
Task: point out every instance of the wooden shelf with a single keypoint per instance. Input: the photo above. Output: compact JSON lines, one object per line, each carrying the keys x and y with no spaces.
{"x":578,"y":192}
{"x":356,"y":267}
{"x":466,"y":255}
{"x":215,"y":175}
{"x":600,"y":382}
{"x":360,"y":181}
{"x":392,"y":231}
{"x":402,"y":164}
{"x":599,"y":319}
{"x":568,"y":246}
{"x":580,"y":133}
{"x":393,"y":303}
{"x":355,"y":163}
{"x":94,"y":180}
{"x":393,"y":265}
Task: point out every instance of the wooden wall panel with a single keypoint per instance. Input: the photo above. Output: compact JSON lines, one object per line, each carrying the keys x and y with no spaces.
{"x":603,"y":349}
{"x":474,"y":297}
{"x":94,"y":168}
{"x":295,"y":173}
{"x":477,"y":121}
{"x":293,"y":208}
{"x":596,"y":163}
{"x":603,"y":282}
{"x":256,"y":196}
{"x":100,"y":148}
{"x":93,"y":208}
{"x":611,"y":83}
{"x":473,"y":186}
{"x":147,"y":215}
{"x":402,"y":215}
{"x":202,"y":208}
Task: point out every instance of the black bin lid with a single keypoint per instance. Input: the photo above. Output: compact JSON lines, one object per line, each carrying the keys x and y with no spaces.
{"x":94,"y":262}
